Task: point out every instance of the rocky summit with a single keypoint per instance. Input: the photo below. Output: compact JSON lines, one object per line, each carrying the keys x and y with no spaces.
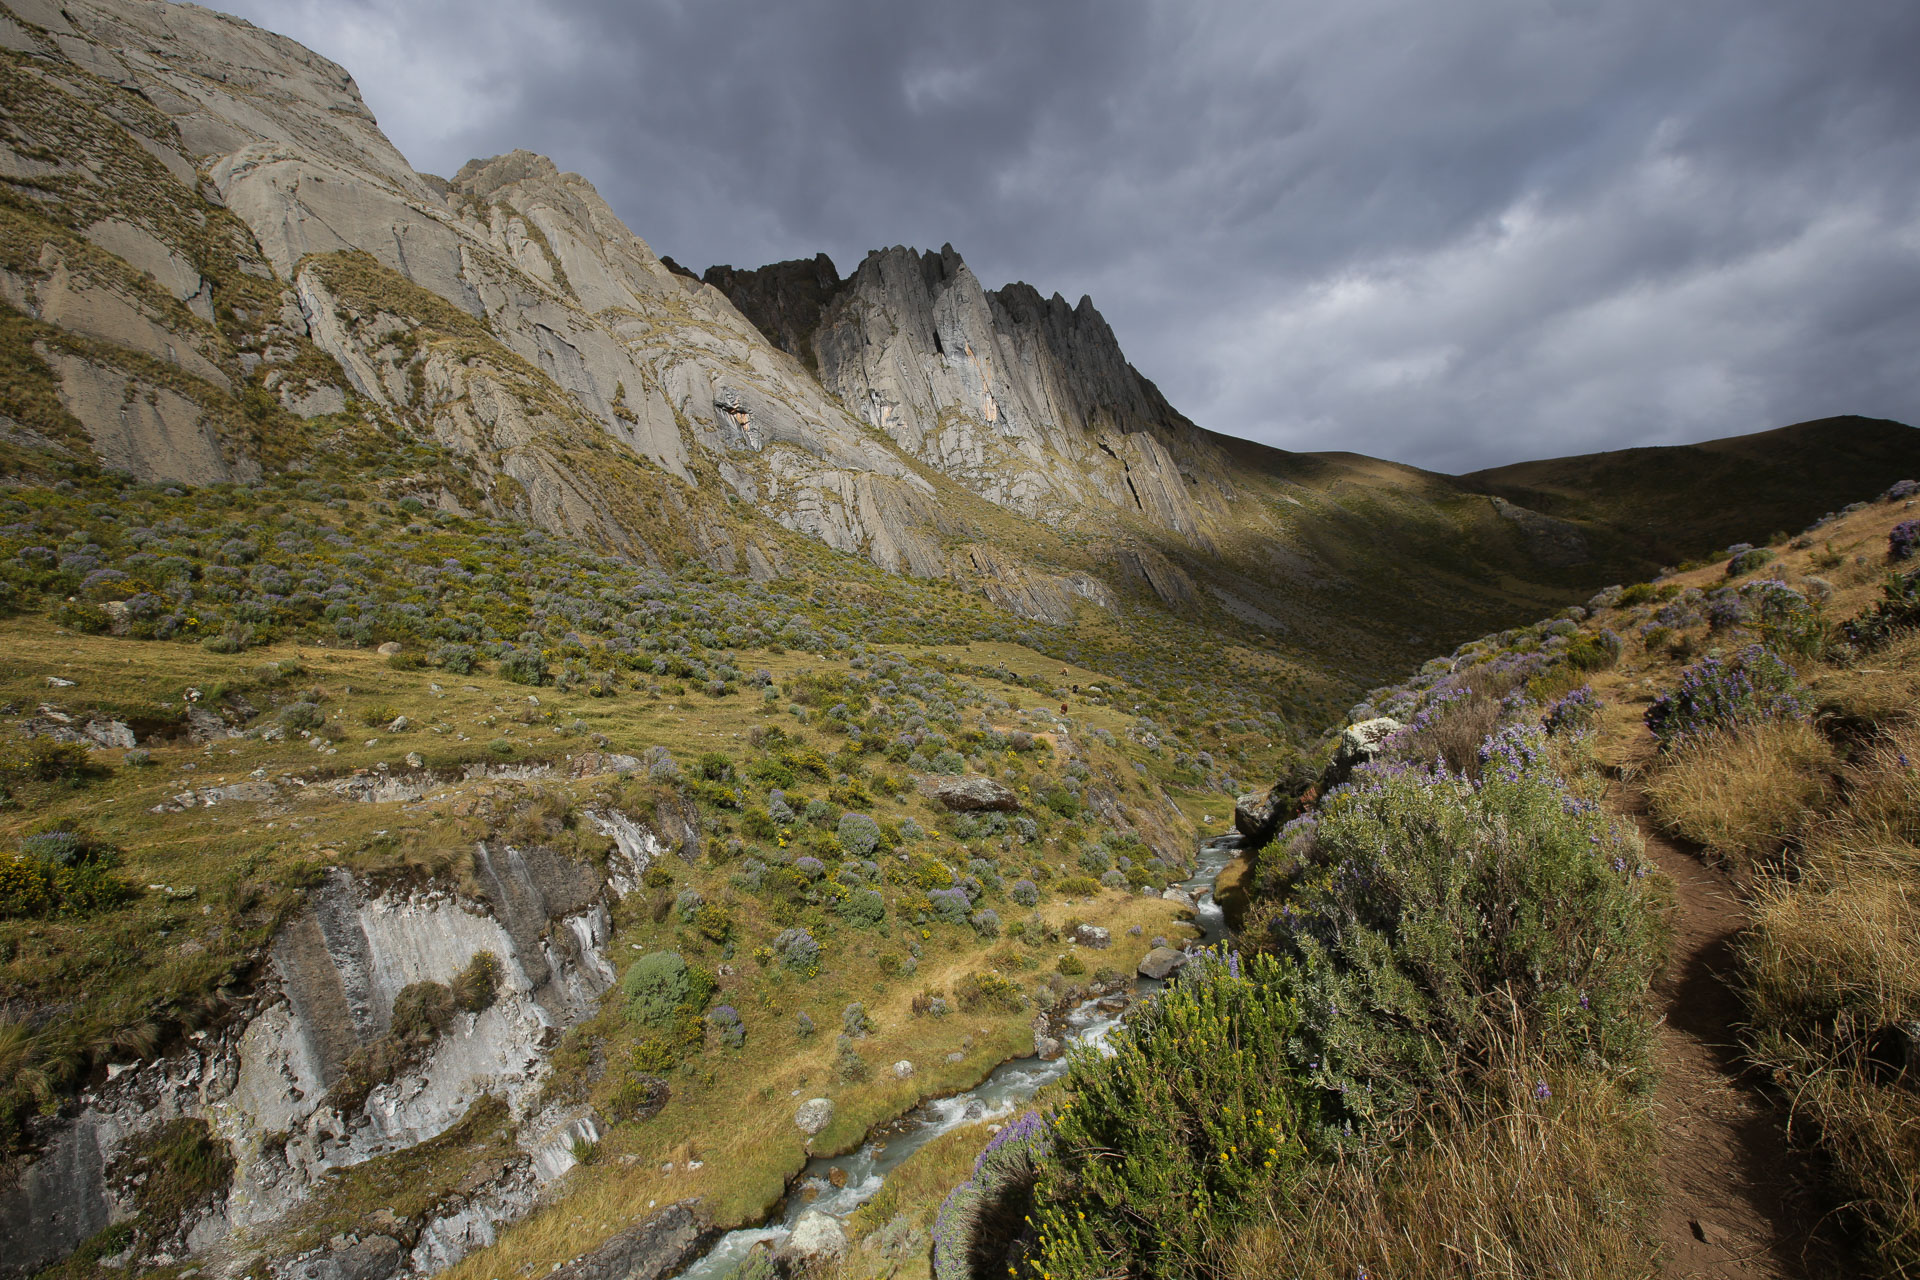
{"x":520,"y":759}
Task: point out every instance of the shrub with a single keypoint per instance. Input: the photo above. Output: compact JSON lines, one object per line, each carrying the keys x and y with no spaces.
{"x":727,"y":1025}
{"x":1414,"y":961}
{"x":1071,"y":965}
{"x":988,"y":991}
{"x":87,"y":619}
{"x":797,"y":950}
{"x":475,"y":987}
{"x":48,"y":760}
{"x":1575,"y":710}
{"x":660,"y":984}
{"x":454,"y":659}
{"x":803,"y":1025}
{"x":1077,"y":886}
{"x":1164,"y":1145}
{"x":1751,"y":686}
{"x":983,"y":1216}
{"x":1024,"y":892}
{"x":854,"y":1021}
{"x":62,"y":872}
{"x":858,"y":834}
{"x":950,"y":905}
{"x":301,"y":715}
{"x":1897,"y":610}
{"x":1902,"y":539}
{"x":1749,"y":560}
{"x":524,"y":667}
{"x":863,"y":907}
{"x":986,"y":923}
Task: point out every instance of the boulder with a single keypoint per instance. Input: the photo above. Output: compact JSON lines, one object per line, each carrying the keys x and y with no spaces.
{"x":661,"y":1246}
{"x":1161,"y":961}
{"x":1176,"y":894}
{"x":818,"y":1237}
{"x":1046,"y":1048}
{"x":814,"y":1115}
{"x":1254,"y":814}
{"x":400,"y":724}
{"x":1359,"y":743}
{"x":1092,"y":936}
{"x":389,"y":649}
{"x":975,"y":794}
{"x":902,"y":1069}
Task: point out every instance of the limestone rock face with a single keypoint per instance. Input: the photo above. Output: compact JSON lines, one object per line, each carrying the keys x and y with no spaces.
{"x":1025,"y":400}
{"x":265,"y":1082}
{"x":661,"y":1246}
{"x":507,"y":314}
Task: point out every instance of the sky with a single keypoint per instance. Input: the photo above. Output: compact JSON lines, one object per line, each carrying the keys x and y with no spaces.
{"x":1454,"y":235}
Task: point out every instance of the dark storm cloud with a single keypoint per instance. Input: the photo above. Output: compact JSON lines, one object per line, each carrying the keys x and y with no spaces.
{"x":1453,"y":234}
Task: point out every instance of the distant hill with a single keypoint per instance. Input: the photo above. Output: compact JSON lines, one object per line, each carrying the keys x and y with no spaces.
{"x":1674,"y":502}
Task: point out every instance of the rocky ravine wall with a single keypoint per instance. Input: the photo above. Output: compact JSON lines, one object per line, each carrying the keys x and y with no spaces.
{"x":261,"y":1083}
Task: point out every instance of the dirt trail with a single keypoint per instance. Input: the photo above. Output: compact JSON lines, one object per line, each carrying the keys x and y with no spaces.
{"x":1733,"y":1207}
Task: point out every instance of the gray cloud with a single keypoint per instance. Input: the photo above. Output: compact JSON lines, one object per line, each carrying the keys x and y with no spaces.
{"x":1455,"y":234}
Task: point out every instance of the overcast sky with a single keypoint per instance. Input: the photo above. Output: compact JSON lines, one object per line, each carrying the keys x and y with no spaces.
{"x":1452,"y":234}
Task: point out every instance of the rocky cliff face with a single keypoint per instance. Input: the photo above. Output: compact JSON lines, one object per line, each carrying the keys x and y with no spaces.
{"x":1025,"y":400}
{"x":283,"y":1089}
{"x":212,"y":210}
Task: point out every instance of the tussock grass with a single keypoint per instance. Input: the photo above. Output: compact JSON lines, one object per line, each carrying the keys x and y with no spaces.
{"x":1508,"y":1184}
{"x":1833,"y":974}
{"x":1742,"y":793}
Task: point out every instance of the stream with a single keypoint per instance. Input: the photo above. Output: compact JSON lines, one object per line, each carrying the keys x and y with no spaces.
{"x":1000,"y":1095}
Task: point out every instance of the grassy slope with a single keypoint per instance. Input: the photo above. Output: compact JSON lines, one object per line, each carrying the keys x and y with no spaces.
{"x":1678,"y":502}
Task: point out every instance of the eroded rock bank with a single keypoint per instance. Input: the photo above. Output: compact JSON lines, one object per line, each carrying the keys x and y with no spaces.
{"x":384,"y":1020}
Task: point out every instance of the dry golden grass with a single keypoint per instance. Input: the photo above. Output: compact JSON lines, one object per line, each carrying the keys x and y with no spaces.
{"x":1515,"y":1185}
{"x":1742,"y":794}
{"x":1833,"y":965}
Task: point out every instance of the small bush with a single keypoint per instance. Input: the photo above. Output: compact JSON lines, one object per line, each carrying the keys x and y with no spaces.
{"x":1903,"y":539}
{"x":1752,"y":686}
{"x":87,"y":619}
{"x":1024,"y":892}
{"x":986,"y":923}
{"x":858,"y":834}
{"x":658,"y":985}
{"x":475,"y":987}
{"x":797,"y":950}
{"x":1077,"y":886}
{"x":524,"y":667}
{"x":988,"y":991}
{"x":1162,"y":1149}
{"x":1747,"y":561}
{"x":726,"y":1024}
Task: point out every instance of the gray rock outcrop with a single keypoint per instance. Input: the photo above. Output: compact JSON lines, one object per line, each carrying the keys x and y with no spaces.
{"x":1359,"y":743}
{"x":662,"y":1246}
{"x":975,"y":794}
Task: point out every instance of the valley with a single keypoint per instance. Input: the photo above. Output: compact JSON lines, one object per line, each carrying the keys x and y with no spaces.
{"x":520,"y":760}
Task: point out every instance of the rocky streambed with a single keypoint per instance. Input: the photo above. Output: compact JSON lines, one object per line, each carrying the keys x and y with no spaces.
{"x":810,"y":1221}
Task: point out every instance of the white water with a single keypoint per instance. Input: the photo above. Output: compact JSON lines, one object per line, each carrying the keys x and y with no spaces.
{"x":1000,"y":1095}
